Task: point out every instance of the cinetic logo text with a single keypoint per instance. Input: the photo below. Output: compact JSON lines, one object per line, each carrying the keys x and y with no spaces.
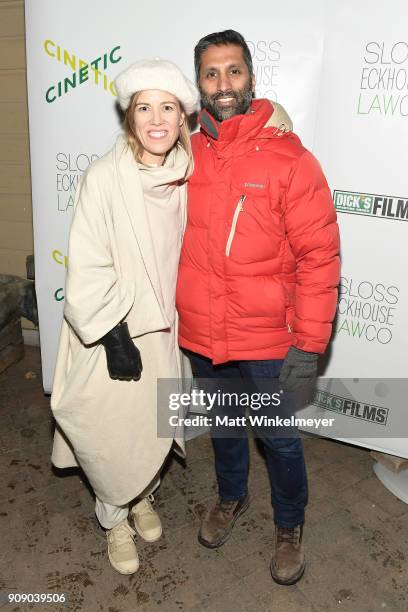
{"x":80,"y":70}
{"x":351,"y":408}
{"x":371,"y":205}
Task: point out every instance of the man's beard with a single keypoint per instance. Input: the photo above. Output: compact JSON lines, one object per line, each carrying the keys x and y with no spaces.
{"x":239,"y":105}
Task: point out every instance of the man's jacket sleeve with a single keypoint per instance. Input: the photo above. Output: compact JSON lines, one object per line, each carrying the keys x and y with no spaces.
{"x":313,"y":235}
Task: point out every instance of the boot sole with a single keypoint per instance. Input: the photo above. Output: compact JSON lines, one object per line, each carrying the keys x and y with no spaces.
{"x":292,"y":580}
{"x":225,"y":537}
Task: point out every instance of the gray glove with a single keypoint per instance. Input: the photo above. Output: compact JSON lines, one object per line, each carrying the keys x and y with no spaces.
{"x":299,"y":369}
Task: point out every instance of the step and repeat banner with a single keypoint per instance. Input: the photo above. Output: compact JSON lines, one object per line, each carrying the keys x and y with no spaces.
{"x":361,"y":137}
{"x":340,"y":70}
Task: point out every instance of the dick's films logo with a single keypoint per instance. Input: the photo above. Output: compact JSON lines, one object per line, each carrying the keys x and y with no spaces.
{"x":371,"y":205}
{"x":351,"y":408}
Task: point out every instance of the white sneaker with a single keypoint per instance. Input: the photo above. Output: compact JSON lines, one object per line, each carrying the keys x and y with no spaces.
{"x":122,"y":550}
{"x":146,"y":521}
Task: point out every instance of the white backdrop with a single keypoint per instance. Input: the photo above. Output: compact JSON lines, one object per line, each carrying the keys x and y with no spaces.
{"x":361,"y":137}
{"x":314,"y":59}
{"x":364,"y":152}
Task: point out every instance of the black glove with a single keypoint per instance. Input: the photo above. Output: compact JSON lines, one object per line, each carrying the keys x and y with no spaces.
{"x":299,"y":369}
{"x":122,"y":356}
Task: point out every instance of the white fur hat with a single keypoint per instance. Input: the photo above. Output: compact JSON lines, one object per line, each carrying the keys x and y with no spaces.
{"x":156,"y":74}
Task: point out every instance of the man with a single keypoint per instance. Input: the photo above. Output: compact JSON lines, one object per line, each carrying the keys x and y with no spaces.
{"x":257,"y":286}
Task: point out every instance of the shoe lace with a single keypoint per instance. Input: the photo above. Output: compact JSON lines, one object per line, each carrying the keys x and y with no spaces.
{"x":119,"y":535}
{"x":288,"y":534}
{"x":145,"y":505}
{"x":225,"y":506}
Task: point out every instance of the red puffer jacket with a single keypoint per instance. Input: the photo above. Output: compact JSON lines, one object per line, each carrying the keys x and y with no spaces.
{"x":259,"y":266}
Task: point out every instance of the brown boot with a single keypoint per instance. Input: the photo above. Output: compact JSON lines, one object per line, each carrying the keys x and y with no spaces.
{"x":288,"y":561}
{"x":218,"y":522}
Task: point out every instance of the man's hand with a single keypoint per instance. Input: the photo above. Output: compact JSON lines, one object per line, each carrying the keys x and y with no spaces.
{"x":122,"y":356}
{"x":299,"y":369}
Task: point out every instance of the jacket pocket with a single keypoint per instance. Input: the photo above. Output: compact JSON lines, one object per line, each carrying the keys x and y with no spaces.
{"x":239,"y":208}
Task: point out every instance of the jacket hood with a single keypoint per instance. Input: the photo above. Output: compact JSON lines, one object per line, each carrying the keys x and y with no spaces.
{"x":266,"y":119}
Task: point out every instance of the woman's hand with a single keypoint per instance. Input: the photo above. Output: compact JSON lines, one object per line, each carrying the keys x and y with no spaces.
{"x":123,"y":357}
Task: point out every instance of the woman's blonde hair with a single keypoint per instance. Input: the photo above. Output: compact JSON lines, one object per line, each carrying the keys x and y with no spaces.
{"x":137,"y":147}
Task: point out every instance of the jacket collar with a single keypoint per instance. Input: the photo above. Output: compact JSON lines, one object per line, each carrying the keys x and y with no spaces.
{"x":239,"y":127}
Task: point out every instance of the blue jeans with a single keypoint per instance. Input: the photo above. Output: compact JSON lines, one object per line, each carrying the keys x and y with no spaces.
{"x":284,"y":456}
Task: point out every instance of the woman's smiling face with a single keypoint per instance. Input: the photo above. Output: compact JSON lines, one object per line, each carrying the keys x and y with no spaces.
{"x":157,"y":121}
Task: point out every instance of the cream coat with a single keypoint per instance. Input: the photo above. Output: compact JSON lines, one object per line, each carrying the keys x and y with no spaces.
{"x":107,"y":426}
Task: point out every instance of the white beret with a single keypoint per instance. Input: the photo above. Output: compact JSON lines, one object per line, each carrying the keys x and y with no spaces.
{"x":156,"y":74}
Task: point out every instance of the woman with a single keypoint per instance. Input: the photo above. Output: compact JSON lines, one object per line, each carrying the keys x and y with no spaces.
{"x":119,"y":333}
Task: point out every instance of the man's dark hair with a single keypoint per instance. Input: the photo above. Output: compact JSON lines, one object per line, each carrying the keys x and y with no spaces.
{"x":227,"y":37}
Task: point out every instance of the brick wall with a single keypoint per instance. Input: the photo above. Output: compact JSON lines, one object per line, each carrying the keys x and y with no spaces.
{"x":16,"y":236}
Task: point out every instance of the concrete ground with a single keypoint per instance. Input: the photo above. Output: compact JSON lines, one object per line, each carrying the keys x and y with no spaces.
{"x":356,"y":533}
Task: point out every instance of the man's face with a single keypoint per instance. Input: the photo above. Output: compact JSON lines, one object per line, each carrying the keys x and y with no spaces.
{"x":225,"y":83}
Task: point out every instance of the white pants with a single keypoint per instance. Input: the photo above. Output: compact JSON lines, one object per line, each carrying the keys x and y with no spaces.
{"x":109,"y":516}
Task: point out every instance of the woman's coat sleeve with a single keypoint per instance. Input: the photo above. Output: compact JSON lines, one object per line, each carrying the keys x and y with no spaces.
{"x":96,"y":297}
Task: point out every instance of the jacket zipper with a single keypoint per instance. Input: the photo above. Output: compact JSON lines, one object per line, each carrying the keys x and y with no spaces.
{"x":239,"y":208}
